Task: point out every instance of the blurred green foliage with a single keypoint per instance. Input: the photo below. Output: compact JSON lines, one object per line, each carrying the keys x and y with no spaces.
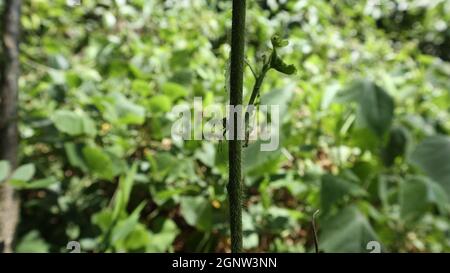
{"x":365,"y":125}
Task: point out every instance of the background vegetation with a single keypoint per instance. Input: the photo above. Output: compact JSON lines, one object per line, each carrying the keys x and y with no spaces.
{"x":365,"y":132}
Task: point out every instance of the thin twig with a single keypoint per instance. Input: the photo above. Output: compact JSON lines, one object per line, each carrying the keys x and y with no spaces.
{"x":316,"y":241}
{"x":255,"y":93}
{"x":251,"y":69}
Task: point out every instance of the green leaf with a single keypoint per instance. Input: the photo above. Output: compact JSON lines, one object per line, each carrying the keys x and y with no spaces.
{"x":5,"y":168}
{"x":58,"y":61}
{"x":279,"y":219}
{"x":32,"y":242}
{"x":160,"y":104}
{"x":74,"y":155}
{"x":376,"y":107}
{"x":160,"y":196}
{"x":126,"y":226}
{"x":73,"y":123}
{"x":329,"y":95}
{"x":42,"y":183}
{"x":123,"y":228}
{"x":24,"y":173}
{"x":36,"y":184}
{"x":207,"y":154}
{"x":280,"y":97}
{"x":396,"y":146}
{"x":162,"y":239}
{"x":98,"y":162}
{"x":197,"y":211}
{"x":257,"y":162}
{"x":251,"y":240}
{"x":162,"y":164}
{"x":432,"y":155}
{"x":124,"y":191}
{"x":413,"y":199}
{"x":138,"y":238}
{"x":416,"y":196}
{"x":334,"y":189}
{"x":109,"y":19}
{"x":347,"y":231}
{"x":174,"y":90}
{"x":141,"y":87}
{"x":103,"y":219}
{"x":127,"y":111}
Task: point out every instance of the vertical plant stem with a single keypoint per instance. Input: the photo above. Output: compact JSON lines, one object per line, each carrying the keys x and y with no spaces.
{"x":10,"y":70}
{"x":234,"y":144}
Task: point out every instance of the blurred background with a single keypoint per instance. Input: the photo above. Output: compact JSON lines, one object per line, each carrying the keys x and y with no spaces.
{"x":364,"y":136}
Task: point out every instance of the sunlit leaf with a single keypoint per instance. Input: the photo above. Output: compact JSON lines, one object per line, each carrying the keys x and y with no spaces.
{"x":98,"y":162}
{"x":73,"y":123}
{"x":24,"y":173}
{"x":5,"y":168}
{"x":347,"y":231}
{"x":197,"y":211}
{"x":432,"y":156}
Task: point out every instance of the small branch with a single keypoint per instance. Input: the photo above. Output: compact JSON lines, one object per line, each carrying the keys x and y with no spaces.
{"x":316,"y":241}
{"x":251,"y":69}
{"x":255,"y":92}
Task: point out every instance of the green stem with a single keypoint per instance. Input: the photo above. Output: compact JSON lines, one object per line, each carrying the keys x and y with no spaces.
{"x":235,"y":147}
{"x":255,"y":92}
